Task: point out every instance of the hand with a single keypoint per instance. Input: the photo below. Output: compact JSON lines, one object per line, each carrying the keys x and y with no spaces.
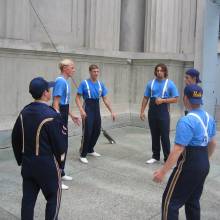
{"x":159,"y":101}
{"x":113,"y":116}
{"x":142,"y":116}
{"x":158,"y":176}
{"x":83,"y":114}
{"x":76,"y":120}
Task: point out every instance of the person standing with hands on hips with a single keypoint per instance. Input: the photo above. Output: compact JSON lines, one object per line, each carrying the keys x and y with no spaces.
{"x":194,"y":145}
{"x":160,"y":92}
{"x":61,"y":100}
{"x":91,"y":90}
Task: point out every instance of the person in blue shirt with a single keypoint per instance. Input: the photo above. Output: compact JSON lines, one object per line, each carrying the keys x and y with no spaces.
{"x":194,"y":145}
{"x":160,"y":93}
{"x":38,"y":144}
{"x":191,"y":77}
{"x":61,"y":100}
{"x":91,"y":90}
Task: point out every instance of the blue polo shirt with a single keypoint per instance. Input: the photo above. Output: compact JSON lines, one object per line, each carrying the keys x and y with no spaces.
{"x":92,"y":90}
{"x":62,"y":89}
{"x":155,"y":88}
{"x":190,"y":132}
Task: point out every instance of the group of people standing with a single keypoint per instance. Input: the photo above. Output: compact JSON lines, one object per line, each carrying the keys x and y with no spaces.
{"x":40,"y":137}
{"x":194,"y":142}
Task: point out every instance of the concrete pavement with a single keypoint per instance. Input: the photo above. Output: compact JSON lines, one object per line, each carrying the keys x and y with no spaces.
{"x":116,"y":186}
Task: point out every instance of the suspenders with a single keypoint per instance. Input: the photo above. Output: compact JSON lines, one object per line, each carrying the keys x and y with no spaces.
{"x":67,"y":89}
{"x":164,"y":88}
{"x":89,"y":91}
{"x":205,"y":127}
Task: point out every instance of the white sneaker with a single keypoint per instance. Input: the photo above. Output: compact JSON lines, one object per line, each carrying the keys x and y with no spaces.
{"x":151,"y":161}
{"x":67,"y":178}
{"x":94,"y":154}
{"x":64,"y":187}
{"x":83,"y":160}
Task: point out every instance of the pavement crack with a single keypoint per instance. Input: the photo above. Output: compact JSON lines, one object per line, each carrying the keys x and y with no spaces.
{"x":9,"y":213}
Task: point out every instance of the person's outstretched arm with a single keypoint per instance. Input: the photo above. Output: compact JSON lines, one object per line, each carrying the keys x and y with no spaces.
{"x":171,"y":161}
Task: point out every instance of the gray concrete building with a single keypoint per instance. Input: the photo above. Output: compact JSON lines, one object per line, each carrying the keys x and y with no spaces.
{"x":126,"y":38}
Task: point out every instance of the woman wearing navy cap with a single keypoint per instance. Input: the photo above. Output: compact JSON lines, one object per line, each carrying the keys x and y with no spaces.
{"x":191,"y":77}
{"x":194,"y":145}
{"x":161,"y":92}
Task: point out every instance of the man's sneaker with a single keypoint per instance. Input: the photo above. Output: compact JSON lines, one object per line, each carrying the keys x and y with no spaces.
{"x":152,"y":160}
{"x":94,"y":154}
{"x":67,"y":178}
{"x":65,"y":187}
{"x":83,"y":160}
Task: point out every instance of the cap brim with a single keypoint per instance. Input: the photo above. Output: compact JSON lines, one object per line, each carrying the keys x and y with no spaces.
{"x":51,"y":84}
{"x":198,"y":81}
{"x":196,"y":101}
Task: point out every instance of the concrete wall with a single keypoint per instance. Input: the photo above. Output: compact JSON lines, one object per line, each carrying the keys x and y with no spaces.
{"x":206,"y":47}
{"x":126,"y":82}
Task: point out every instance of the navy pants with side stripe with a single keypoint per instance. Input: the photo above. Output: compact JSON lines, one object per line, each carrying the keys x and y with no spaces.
{"x":91,"y":126}
{"x":40,"y":173}
{"x":185,"y":184}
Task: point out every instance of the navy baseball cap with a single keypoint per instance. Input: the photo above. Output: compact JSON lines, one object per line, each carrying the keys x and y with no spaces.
{"x":38,"y":85}
{"x":194,"y":94}
{"x":194,"y":73}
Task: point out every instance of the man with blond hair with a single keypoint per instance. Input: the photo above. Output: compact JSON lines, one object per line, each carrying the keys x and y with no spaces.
{"x":61,"y":100}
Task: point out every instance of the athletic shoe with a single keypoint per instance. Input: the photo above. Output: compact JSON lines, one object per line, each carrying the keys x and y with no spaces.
{"x":83,"y":160}
{"x":151,"y":161}
{"x":67,"y":178}
{"x":65,"y":187}
{"x":94,"y":154}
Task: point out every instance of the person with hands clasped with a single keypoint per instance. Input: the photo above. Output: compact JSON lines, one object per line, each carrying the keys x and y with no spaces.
{"x":160,"y":92}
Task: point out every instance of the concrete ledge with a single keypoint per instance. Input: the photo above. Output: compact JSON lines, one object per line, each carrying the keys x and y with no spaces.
{"x":20,"y":45}
{"x":123,"y":120}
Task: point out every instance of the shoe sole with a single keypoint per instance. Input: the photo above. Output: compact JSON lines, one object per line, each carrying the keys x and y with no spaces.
{"x":83,"y":162}
{"x":65,"y":189}
{"x":153,"y":162}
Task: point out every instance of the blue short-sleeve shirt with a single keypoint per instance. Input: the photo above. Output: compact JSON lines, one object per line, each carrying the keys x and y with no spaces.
{"x":62,"y":89}
{"x":93,"y":90}
{"x":158,"y":87}
{"x":190,"y":132}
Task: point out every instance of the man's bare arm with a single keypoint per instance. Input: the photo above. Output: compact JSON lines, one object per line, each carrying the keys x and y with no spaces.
{"x":143,"y":107}
{"x":56,"y":103}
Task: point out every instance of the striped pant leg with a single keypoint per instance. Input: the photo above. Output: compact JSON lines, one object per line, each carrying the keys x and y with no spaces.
{"x":183,"y":188}
{"x":52,"y":191}
{"x":174,"y":195}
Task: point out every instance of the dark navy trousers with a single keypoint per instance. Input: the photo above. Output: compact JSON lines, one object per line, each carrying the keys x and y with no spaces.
{"x":185,"y":184}
{"x":159,"y":123}
{"x":64,"y":111}
{"x":40,"y":173}
{"x":91,"y":126}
